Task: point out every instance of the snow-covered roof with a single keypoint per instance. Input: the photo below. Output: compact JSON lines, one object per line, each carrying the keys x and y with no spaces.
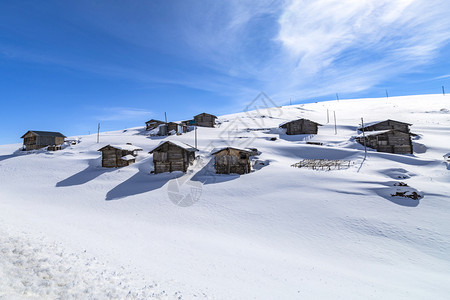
{"x":377,"y":122}
{"x":284,"y":123}
{"x":123,"y":147}
{"x":176,"y":143}
{"x":45,"y":133}
{"x":128,"y":157}
{"x":154,"y":121}
{"x":377,"y":132}
{"x":217,"y":150}
{"x":205,"y":114}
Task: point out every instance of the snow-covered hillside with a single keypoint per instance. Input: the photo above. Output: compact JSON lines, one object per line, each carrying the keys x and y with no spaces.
{"x":70,"y":228}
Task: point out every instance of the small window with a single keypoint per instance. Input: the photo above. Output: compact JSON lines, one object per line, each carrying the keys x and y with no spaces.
{"x":243,"y":156}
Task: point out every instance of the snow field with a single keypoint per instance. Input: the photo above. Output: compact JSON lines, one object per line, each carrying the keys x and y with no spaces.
{"x":276,"y":233}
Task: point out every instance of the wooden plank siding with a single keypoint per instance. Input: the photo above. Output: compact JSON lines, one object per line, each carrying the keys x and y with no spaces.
{"x":152,"y":124}
{"x":392,"y":141}
{"x":112,"y":157}
{"x":33,"y":140}
{"x":177,"y":127}
{"x":232,"y":161}
{"x":169,"y":157}
{"x":300,"y":126}
{"x":205,"y":120}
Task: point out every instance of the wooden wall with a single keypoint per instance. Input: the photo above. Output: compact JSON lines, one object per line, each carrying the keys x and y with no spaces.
{"x":152,"y":124}
{"x":33,"y":142}
{"x":232,"y":161}
{"x":112,"y":158}
{"x":301,"y":127}
{"x":170,"y":158}
{"x":205,"y":120}
{"x":179,"y":128}
{"x":389,"y":142}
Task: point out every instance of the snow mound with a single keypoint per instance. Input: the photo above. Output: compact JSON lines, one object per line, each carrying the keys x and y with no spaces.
{"x":32,"y":269}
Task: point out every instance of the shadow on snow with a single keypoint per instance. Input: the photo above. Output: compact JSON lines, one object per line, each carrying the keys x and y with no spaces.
{"x":389,"y":190}
{"x":141,"y":182}
{"x":296,"y":137}
{"x":5,"y":157}
{"x":92,"y":171}
{"x":207,"y":175}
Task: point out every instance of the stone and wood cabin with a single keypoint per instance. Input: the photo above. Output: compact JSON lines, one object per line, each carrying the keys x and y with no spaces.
{"x":177,"y":127}
{"x":152,"y":124}
{"x":300,"y":126}
{"x":205,"y":120}
{"x":390,"y":141}
{"x":386,"y":125}
{"x":172,"y":127}
{"x":116,"y":156}
{"x":188,"y":122}
{"x":33,"y":140}
{"x":170,"y":156}
{"x":232,"y":160}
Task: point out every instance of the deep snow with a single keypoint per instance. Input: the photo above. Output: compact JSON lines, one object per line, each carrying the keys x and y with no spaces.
{"x":276,"y":233}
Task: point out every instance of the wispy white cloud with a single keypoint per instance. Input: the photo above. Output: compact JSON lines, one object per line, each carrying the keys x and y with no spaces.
{"x":121,"y":114}
{"x":348,"y":45}
{"x":323,"y":46}
{"x":442,"y":77}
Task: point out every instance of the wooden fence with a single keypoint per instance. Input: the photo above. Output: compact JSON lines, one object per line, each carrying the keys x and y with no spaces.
{"x":323,"y":164}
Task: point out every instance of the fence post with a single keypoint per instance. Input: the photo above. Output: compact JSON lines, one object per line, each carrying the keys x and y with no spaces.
{"x":98,"y":133}
{"x":335,"y":126}
{"x":364,"y":138}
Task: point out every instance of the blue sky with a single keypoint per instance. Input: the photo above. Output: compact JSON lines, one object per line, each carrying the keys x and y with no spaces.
{"x":67,"y":65}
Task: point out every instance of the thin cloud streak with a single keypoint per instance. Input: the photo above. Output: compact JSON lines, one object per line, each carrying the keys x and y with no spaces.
{"x":122,"y":114}
{"x":353,"y":45}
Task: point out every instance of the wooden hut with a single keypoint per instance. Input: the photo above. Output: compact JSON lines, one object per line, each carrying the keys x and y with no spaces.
{"x":34,"y":139}
{"x":205,"y":120}
{"x":188,"y":123}
{"x":300,"y":126}
{"x":172,"y":128}
{"x":232,"y":160}
{"x":172,"y":156}
{"x":390,"y":141}
{"x":116,"y":156}
{"x":152,"y":124}
{"x":386,"y":125}
{"x":177,"y":127}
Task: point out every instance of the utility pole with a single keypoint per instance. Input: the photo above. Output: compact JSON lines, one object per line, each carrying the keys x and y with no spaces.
{"x":165,"y":115}
{"x":290,"y":101}
{"x":335,"y":126}
{"x":195,"y":137}
{"x":387,"y":95}
{"x":364,"y":137}
{"x":443,"y":91}
{"x":328,"y":117}
{"x":337,"y":96}
{"x":98,"y":133}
